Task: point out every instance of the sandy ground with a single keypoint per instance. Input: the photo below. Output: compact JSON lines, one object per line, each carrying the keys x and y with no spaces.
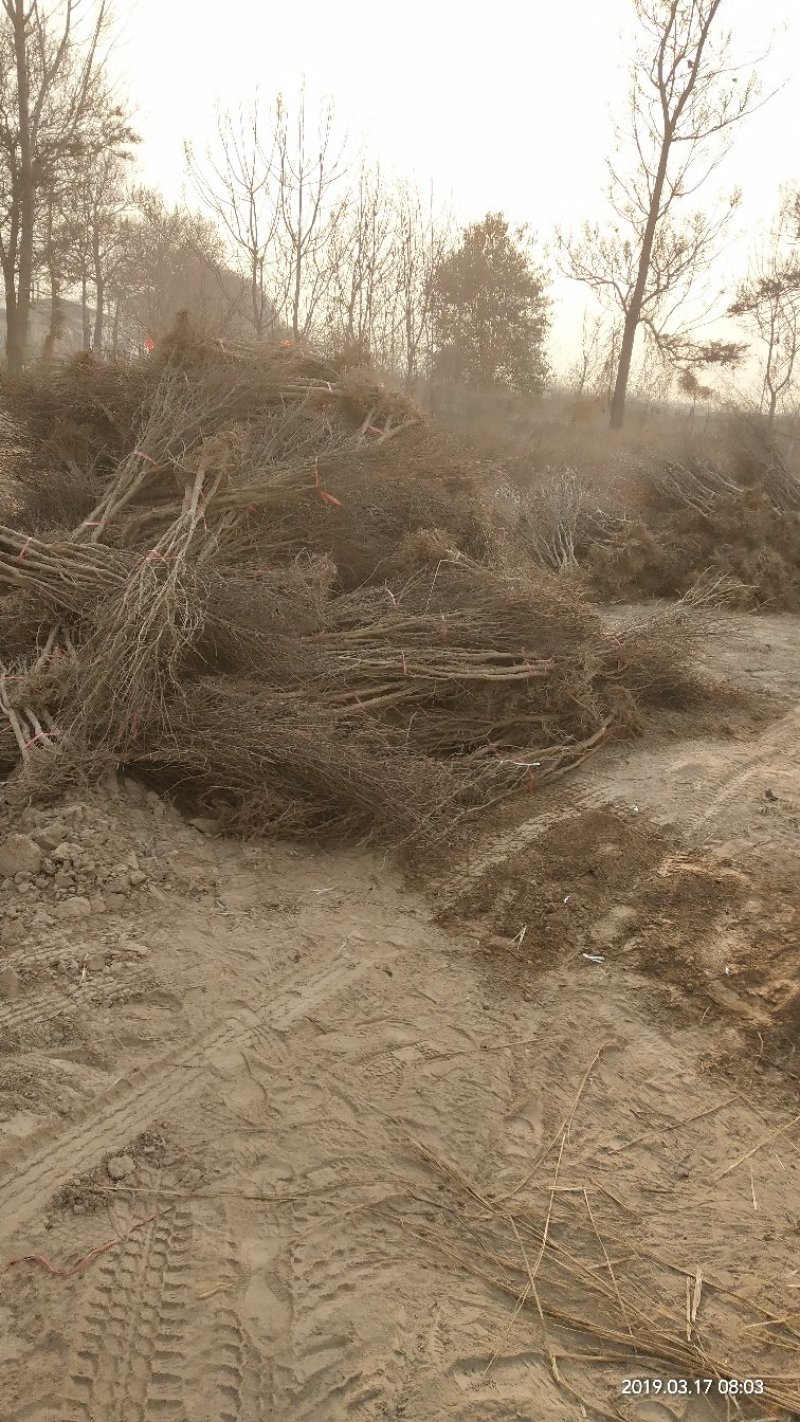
{"x":363,"y":1150}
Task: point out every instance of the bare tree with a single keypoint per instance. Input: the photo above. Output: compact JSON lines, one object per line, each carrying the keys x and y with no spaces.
{"x":78,"y":216}
{"x":50,"y":85}
{"x":769,"y":302}
{"x":360,"y":261}
{"x":422,"y":239}
{"x":237,"y":185}
{"x":352,"y":261}
{"x":686,"y":97}
{"x":272,"y":188}
{"x":167,"y":260}
{"x":377,"y":265}
{"x":102,"y":202}
{"x":312,"y":204}
{"x":584,"y":375}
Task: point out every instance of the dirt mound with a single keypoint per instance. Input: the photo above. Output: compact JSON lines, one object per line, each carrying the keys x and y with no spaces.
{"x":79,"y":884}
{"x":96,"y":856}
{"x":603,"y":882}
{"x":607,"y":886}
{"x":577,"y":886}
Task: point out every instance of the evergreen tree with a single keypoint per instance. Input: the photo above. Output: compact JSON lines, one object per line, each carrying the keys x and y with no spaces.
{"x":491,"y":311}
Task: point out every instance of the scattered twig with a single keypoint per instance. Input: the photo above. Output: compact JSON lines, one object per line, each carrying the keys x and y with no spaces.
{"x":674,"y":1126}
{"x":563,"y":1130}
{"x":759,"y":1145}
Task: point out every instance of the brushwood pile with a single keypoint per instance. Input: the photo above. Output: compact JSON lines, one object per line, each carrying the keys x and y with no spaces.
{"x":265,"y":584}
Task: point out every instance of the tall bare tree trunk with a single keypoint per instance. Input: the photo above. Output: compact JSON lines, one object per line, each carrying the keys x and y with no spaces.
{"x":256,"y":297}
{"x":10,"y":288}
{"x":100,"y":300}
{"x":18,"y":310}
{"x":57,"y":317}
{"x":115,"y":327}
{"x":634,"y":311}
{"x":298,"y":270}
{"x":99,"y":317}
{"x":56,"y":305}
{"x":87,"y":336}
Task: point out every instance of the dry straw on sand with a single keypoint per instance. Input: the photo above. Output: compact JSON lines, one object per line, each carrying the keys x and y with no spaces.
{"x":595,"y":1302}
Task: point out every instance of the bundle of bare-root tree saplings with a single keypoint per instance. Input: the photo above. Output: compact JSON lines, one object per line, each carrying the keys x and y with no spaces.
{"x":285,"y":596}
{"x":734,"y":518}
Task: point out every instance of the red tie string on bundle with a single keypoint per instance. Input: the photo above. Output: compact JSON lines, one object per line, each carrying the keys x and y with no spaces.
{"x":41,"y":736}
{"x":323,"y":493}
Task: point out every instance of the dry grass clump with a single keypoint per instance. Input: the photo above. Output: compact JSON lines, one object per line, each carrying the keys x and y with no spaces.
{"x":291,"y":598}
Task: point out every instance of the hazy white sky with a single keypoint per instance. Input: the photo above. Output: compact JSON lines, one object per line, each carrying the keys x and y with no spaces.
{"x":501,"y":105}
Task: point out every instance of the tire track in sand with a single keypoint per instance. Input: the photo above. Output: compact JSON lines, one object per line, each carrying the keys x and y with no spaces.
{"x":45,"y":1161}
{"x":129,"y":1361}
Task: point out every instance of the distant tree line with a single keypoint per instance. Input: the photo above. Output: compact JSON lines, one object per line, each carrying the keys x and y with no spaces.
{"x":284,"y":234}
